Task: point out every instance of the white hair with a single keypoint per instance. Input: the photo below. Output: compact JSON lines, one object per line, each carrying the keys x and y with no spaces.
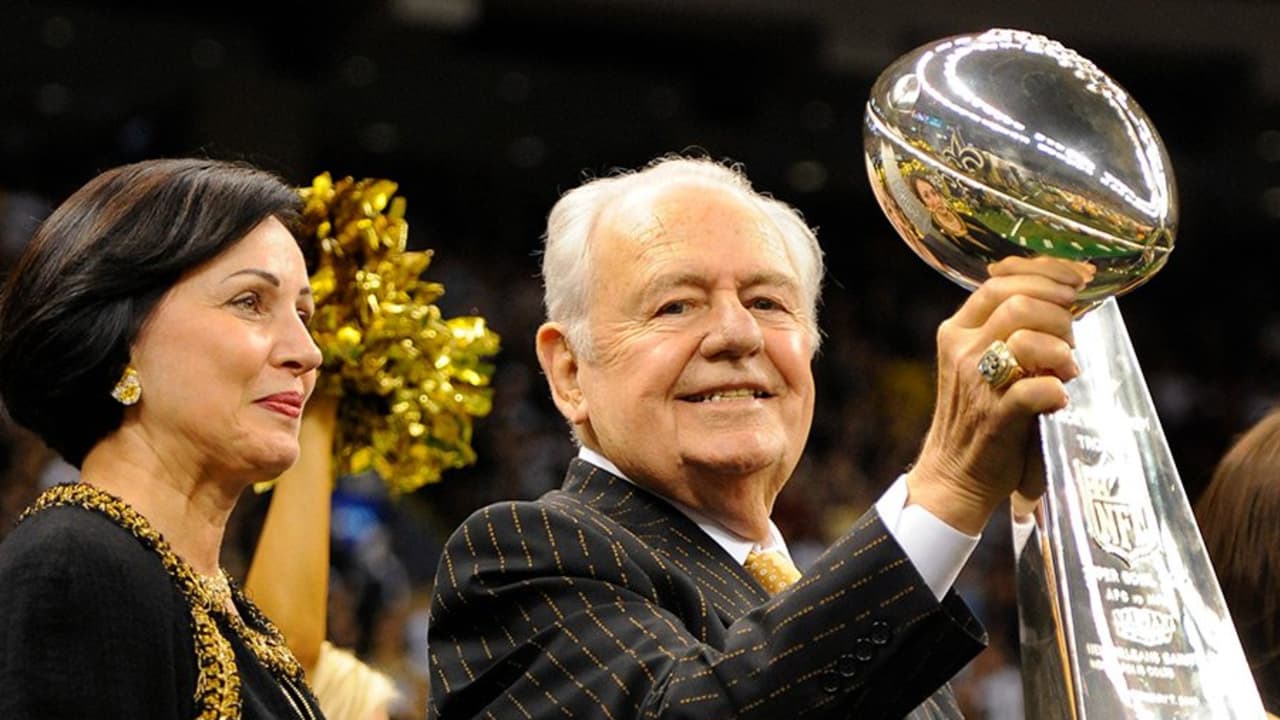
{"x":566,"y":260}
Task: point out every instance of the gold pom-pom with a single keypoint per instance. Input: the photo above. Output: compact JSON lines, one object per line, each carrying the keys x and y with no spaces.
{"x":410,"y":381}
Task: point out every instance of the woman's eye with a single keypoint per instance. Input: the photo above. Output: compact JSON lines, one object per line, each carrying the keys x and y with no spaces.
{"x":305,"y":316}
{"x":251,"y":302}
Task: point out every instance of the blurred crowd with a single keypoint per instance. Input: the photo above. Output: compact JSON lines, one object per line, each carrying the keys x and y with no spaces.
{"x":875,"y":372}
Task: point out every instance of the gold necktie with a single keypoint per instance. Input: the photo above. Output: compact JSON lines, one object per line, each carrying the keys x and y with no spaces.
{"x":772,"y":570}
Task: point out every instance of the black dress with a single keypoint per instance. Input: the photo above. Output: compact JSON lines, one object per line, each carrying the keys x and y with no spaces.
{"x":100,"y":619}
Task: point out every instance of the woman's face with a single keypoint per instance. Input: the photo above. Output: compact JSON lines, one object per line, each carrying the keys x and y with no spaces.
{"x":943,"y":216}
{"x":929,"y":195}
{"x":226,"y":361}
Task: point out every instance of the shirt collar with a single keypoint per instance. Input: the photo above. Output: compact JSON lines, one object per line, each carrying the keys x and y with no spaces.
{"x":734,"y":544}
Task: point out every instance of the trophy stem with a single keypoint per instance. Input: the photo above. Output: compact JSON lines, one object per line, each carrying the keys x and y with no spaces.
{"x":1120,"y":612}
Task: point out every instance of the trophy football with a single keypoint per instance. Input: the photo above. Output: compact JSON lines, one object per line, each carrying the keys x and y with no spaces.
{"x":1007,"y":143}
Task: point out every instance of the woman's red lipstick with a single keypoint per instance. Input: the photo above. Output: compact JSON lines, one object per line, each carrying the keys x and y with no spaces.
{"x":285,"y":403}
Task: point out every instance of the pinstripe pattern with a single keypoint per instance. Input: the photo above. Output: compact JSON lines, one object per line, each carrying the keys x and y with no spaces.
{"x":600,"y":600}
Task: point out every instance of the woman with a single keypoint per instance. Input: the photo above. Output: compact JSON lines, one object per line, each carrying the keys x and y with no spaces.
{"x":154,"y":333}
{"x":1239,"y":517}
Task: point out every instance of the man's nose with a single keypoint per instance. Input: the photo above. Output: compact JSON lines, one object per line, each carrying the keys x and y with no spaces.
{"x":733,"y":331}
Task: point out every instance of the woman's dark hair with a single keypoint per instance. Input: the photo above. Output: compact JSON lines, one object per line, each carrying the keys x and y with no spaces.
{"x":1239,"y":517}
{"x":74,"y":303}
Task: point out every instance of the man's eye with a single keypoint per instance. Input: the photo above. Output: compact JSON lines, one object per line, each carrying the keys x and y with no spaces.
{"x":673,"y":308}
{"x":765,"y":304}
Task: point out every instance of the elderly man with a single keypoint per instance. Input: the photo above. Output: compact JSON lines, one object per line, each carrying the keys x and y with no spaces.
{"x":681,"y":327}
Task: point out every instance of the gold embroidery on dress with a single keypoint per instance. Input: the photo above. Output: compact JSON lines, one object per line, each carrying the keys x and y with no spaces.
{"x":217,"y":694}
{"x":217,"y":588}
{"x":217,"y":680}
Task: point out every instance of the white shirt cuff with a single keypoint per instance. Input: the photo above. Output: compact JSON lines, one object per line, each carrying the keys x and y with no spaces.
{"x":937,"y":550}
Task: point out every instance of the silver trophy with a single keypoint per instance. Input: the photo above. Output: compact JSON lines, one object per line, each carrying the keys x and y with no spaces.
{"x":1007,"y":143}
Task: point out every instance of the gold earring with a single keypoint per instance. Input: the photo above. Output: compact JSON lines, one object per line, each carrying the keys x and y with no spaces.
{"x":128,"y":389}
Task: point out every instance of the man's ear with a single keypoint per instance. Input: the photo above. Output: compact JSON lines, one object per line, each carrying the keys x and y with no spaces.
{"x":560,"y":366}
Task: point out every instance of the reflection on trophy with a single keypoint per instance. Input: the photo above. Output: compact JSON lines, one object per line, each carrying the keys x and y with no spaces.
{"x":1007,"y":143}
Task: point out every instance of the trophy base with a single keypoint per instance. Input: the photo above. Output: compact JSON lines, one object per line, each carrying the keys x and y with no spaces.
{"x":1121,"y":615}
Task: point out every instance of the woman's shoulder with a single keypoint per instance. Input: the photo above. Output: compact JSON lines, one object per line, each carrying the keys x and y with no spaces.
{"x":72,"y":577}
{"x":89,"y":534}
{"x":81,"y":594}
{"x":72,"y":547}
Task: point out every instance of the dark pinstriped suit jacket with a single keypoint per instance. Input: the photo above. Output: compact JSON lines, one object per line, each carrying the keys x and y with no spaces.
{"x":600,"y":600}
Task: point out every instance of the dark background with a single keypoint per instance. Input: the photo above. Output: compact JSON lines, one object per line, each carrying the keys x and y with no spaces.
{"x":486,"y":110}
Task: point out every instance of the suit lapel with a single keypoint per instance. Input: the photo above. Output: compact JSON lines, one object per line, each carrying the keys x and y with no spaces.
{"x":671,"y":534}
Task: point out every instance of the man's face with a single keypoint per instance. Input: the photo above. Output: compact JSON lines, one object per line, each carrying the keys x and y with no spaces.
{"x":699,"y":381}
